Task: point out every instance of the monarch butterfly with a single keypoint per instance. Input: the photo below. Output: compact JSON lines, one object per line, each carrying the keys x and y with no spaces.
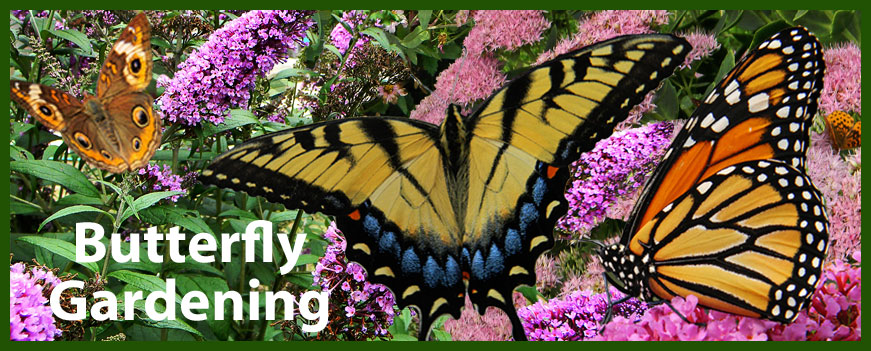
{"x":730,"y":215}
{"x":439,"y":212}
{"x":845,"y":132}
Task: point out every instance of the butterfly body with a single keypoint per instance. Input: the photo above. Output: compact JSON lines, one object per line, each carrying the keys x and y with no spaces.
{"x":115,"y":130}
{"x":730,"y":215}
{"x":439,"y":213}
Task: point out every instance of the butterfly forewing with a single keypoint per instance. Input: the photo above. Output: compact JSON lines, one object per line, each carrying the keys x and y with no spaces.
{"x":730,"y":215}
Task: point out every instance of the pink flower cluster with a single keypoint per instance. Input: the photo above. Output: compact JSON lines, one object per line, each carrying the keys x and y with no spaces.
{"x":493,"y":325}
{"x":842,"y":85}
{"x":834,"y":314}
{"x":164,"y":180}
{"x":477,"y":73}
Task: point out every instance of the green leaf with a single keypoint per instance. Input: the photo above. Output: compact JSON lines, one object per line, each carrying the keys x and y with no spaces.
{"x":168,"y":324}
{"x":209,"y":286}
{"x":237,"y":118}
{"x":76,"y":37}
{"x":846,"y":27}
{"x":78,"y":199}
{"x":59,"y":247}
{"x":530,"y":293}
{"x":666,"y":101}
{"x":294,"y":72}
{"x":146,"y":282}
{"x":424,"y":17}
{"x":57,"y":172}
{"x":146,"y":201}
{"x":415,"y":38}
{"x":71,"y":210}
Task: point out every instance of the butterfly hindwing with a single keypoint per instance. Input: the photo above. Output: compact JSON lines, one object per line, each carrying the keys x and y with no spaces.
{"x":730,"y":215}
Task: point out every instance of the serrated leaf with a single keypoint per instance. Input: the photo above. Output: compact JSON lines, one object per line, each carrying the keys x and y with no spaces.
{"x":57,"y":172}
{"x":71,"y":210}
{"x":59,"y":247}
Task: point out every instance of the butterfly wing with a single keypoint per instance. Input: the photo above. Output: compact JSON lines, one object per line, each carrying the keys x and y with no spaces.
{"x":128,"y":65}
{"x":383,"y":178}
{"x":523,"y":140}
{"x":51,"y":107}
{"x":136,"y":128}
{"x":730,"y":215}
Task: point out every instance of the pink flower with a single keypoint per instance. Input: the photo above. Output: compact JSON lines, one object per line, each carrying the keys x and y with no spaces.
{"x":703,"y":45}
{"x":507,"y":30}
{"x":465,"y":81}
{"x":842,"y":85}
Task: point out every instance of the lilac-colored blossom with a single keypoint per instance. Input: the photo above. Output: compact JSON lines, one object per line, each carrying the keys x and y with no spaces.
{"x":221,"y":73}
{"x":163,"y":179}
{"x":576,"y":316}
{"x":30,"y":316}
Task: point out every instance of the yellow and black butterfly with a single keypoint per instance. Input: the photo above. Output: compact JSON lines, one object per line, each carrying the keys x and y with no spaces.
{"x":438,"y":212}
{"x":730,"y":215}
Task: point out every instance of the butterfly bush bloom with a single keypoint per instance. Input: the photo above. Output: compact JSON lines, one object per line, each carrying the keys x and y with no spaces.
{"x":833,"y":315}
{"x":221,"y":73}
{"x":842,"y":84}
{"x":367,"y":308}
{"x":30,"y":316}
{"x":616,"y":167}
{"x":576,"y":316}
{"x":164,"y":180}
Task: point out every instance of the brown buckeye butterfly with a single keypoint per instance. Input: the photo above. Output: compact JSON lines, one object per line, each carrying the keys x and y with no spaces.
{"x":117,"y":130}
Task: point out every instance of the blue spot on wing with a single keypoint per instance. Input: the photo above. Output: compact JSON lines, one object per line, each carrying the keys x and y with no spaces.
{"x":432,"y":273}
{"x":388,"y":244}
{"x":478,"y":269}
{"x":495,"y":262}
{"x":452,"y":272}
{"x":513,"y":244}
{"x":528,"y":214}
{"x":410,"y":262}
{"x":371,"y":226}
{"x":538,"y":190}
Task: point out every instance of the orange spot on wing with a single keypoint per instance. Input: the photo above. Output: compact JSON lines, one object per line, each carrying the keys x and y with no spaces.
{"x":355,"y":215}
{"x":551,"y":171}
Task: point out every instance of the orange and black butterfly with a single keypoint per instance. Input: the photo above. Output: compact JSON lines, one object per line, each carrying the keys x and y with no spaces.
{"x":730,"y":215}
{"x":846,"y":133}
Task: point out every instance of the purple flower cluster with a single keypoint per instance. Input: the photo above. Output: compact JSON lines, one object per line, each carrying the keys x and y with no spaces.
{"x":164,"y":179}
{"x":30,"y":317}
{"x":221,"y":73}
{"x":576,"y":316}
{"x":834,"y":314}
{"x":367,"y":308}
{"x":341,"y":38}
{"x":616,"y":167}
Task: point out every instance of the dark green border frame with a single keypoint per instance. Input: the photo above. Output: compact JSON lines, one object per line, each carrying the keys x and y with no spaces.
{"x":441,"y":4}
